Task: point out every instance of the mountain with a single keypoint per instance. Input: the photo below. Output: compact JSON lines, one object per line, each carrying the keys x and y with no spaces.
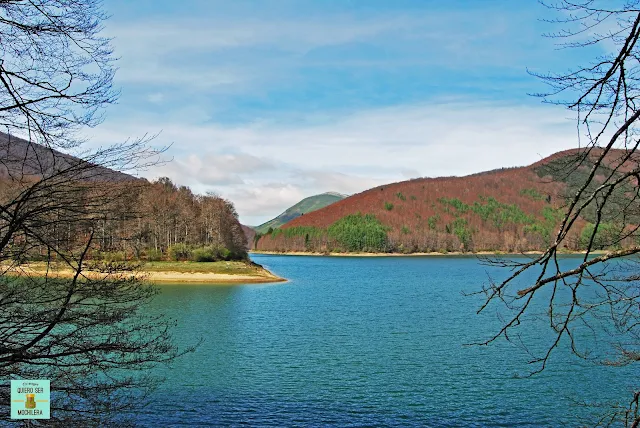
{"x":509,"y":209}
{"x":305,"y":206}
{"x":250,"y":234}
{"x":21,"y":158}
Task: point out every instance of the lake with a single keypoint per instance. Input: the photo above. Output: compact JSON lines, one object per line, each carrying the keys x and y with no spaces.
{"x":365,"y":341}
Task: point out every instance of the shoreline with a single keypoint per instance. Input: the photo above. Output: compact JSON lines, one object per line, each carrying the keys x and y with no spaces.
{"x":263,"y":276}
{"x":435,"y":254}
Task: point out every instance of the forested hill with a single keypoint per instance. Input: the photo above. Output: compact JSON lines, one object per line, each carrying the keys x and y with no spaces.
{"x":160,"y":220}
{"x":510,"y":210}
{"x":305,"y":206}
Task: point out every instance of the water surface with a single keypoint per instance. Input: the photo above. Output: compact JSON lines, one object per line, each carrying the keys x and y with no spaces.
{"x":364,"y":342}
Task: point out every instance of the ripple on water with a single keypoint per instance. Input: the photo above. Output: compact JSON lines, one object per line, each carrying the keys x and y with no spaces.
{"x":361,"y":342}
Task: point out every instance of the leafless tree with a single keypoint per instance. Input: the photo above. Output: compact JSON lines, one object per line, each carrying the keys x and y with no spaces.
{"x":56,"y":70}
{"x":600,"y":292}
{"x":87,"y":332}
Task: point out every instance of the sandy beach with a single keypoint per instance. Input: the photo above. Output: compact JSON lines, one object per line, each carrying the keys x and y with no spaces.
{"x":261,"y":276}
{"x":212,"y":278}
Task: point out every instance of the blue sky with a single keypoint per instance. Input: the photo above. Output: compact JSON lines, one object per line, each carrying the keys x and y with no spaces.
{"x":267,"y":102}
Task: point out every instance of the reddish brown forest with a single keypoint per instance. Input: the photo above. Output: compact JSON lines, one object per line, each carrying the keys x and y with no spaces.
{"x":172,"y":215}
{"x":136,"y":219}
{"x":510,"y":210}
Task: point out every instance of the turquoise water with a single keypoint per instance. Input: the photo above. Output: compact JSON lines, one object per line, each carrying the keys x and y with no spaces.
{"x":364,"y":342}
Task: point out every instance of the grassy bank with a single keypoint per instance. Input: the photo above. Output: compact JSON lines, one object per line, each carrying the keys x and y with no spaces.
{"x":231,"y":268}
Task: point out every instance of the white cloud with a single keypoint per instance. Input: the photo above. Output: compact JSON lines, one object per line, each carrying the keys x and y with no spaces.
{"x":215,"y":35}
{"x":264,"y":167}
{"x":323,"y":181}
{"x":213,"y":52}
{"x":274,"y":198}
{"x":156,"y":97}
{"x":409,"y":173}
{"x":183,"y":53}
{"x":147,"y":72}
{"x":212,"y":169}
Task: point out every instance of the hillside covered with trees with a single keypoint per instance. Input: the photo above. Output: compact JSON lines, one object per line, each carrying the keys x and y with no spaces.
{"x":507,"y":210}
{"x":156,"y":221}
{"x":130,"y":218}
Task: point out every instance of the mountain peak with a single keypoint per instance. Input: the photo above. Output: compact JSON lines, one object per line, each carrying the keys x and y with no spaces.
{"x":339,"y":195}
{"x":305,"y":206}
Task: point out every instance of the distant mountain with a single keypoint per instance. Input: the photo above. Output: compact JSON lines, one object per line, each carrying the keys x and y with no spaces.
{"x":508,"y":210}
{"x":250,"y":234}
{"x":305,"y":206}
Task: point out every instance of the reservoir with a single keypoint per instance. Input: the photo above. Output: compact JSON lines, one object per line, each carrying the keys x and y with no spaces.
{"x":368,"y":341}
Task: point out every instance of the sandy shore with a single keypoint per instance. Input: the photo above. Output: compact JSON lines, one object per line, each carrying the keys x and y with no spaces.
{"x":262,"y":276}
{"x":212,"y":278}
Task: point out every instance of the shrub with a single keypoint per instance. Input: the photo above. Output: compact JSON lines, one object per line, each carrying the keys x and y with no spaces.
{"x":225,"y":253}
{"x":153,"y":255}
{"x":552,"y":215}
{"x":541,"y":229}
{"x":532,"y":193}
{"x":463,"y":232}
{"x":179,"y":252}
{"x":432,"y":221}
{"x":388,"y":206}
{"x":501,"y":214}
{"x":401,"y":196}
{"x":456,"y":203}
{"x":211,"y":254}
{"x":606,"y":236}
{"x":203,"y":254}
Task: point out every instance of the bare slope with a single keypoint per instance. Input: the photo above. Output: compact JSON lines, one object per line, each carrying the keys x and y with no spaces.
{"x":21,"y":158}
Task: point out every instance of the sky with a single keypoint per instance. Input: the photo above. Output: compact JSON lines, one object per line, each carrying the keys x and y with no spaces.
{"x":266,"y":102}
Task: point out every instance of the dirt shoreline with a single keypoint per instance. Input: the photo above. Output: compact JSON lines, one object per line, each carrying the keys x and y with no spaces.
{"x":212,"y":278}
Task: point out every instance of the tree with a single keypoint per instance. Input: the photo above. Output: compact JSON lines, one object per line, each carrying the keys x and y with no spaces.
{"x":56,"y":70}
{"x":87,"y":332}
{"x":603,"y":184}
